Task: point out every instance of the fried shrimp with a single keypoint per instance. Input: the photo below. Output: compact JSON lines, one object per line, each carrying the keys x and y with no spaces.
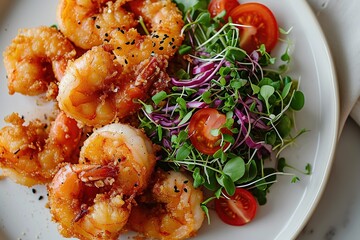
{"x":85,"y":203}
{"x":164,"y":21}
{"x":125,"y":147}
{"x":170,"y":210}
{"x":95,"y":91}
{"x":93,"y":199}
{"x":88,"y":23}
{"x":36,"y":58}
{"x":30,"y":154}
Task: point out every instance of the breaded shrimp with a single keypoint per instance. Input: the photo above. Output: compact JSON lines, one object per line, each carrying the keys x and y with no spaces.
{"x":170,"y":210}
{"x":85,"y":203}
{"x":125,"y":147}
{"x":164,"y":23}
{"x":93,"y":199}
{"x":31,"y":154}
{"x":95,"y":92}
{"x":88,"y":23}
{"x":36,"y":58}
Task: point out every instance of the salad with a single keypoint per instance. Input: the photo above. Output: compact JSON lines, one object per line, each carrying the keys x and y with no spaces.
{"x":230,"y":112}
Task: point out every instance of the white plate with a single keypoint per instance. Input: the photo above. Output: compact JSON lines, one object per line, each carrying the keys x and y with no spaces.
{"x":23,"y":216}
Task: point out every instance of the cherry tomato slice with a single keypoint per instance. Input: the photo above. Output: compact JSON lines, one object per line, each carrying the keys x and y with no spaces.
{"x":238,"y":210}
{"x":263,"y":27}
{"x":217,"y":6}
{"x":200,"y":130}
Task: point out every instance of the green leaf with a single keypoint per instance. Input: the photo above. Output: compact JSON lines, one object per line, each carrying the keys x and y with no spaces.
{"x":206,"y":211}
{"x":204,"y":18}
{"x":308,"y":169}
{"x":229,"y":138}
{"x":286,"y":90}
{"x":284,"y":126}
{"x":266,"y":91}
{"x":234,"y":168}
{"x":287,"y":80}
{"x":183,"y":152}
{"x":148,"y":108}
{"x":270,"y":137}
{"x":218,"y":193}
{"x":224,"y":71}
{"x":234,"y":54}
{"x":281,"y":164}
{"x":181,"y":102}
{"x":236,"y":84}
{"x":182,"y":74}
{"x":255,"y":88}
{"x":285,"y":57}
{"x":160,"y":132}
{"x":158,"y":97}
{"x":265,"y":81}
{"x":225,"y":181}
{"x":210,"y":180}
{"x":298,"y":101}
{"x":184,"y":49}
{"x":198,"y":178}
{"x":185,"y":118}
{"x":182,"y":136}
{"x":206,"y":96}
{"x":295,"y":179}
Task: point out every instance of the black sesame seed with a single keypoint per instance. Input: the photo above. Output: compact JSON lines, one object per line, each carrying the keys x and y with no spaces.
{"x":94,"y":18}
{"x":161,"y":48}
{"x":97,"y":26}
{"x":106,"y":34}
{"x":185,"y":189}
{"x":41,"y":197}
{"x":126,"y":62}
{"x":33,"y":190}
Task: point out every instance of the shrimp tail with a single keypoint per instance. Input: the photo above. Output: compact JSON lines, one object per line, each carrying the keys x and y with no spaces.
{"x":153,"y":75}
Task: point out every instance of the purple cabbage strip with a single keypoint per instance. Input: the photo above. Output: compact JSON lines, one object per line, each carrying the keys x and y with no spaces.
{"x":242,"y":120}
{"x":203,"y":67}
{"x":199,"y":79}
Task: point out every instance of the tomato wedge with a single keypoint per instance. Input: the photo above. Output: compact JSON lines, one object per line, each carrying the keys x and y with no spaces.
{"x":200,"y":130}
{"x":238,"y":210}
{"x":262,"y":26}
{"x":217,"y":6}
